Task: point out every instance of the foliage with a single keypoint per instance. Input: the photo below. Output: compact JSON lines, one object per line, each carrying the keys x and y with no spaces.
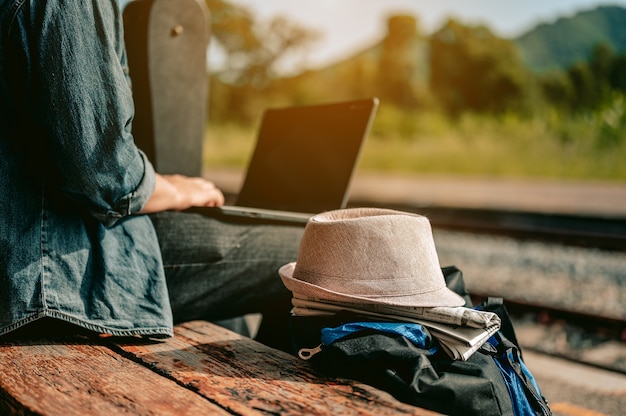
{"x":587,"y":85}
{"x":396,"y":71}
{"x":460,"y":101}
{"x":253,"y":49}
{"x":401,"y":67}
{"x":459,"y":68}
{"x":474,"y":70}
{"x":610,"y":123}
{"x":555,"y":145}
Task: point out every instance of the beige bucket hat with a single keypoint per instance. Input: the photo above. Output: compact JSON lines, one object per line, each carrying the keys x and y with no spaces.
{"x":369,"y":255}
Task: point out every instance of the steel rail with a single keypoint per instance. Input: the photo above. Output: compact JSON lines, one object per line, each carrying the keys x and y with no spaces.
{"x":603,"y":232}
{"x":598,"y":327}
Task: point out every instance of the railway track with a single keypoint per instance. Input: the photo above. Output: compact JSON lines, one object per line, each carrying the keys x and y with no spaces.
{"x":585,"y":338}
{"x":603,"y":232}
{"x":560,"y":330}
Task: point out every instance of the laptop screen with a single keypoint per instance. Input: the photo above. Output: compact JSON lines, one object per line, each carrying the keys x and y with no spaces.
{"x":305,"y":156}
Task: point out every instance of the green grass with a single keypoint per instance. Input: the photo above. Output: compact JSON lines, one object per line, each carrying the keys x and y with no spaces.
{"x":228,"y":146}
{"x":588,"y":147}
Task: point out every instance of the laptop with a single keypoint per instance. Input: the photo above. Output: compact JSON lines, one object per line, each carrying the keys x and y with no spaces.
{"x":302,"y":164}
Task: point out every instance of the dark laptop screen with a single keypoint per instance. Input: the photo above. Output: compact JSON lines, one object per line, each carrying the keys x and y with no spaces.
{"x":305,"y":156}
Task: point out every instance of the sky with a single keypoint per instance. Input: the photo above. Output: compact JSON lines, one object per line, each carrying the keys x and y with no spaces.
{"x":346,"y":26}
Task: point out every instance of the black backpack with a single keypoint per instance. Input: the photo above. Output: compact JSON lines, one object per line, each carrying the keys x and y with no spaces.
{"x":493,"y":381}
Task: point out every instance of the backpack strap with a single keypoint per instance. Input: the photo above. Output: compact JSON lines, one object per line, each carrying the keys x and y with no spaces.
{"x":525,"y":395}
{"x":524,"y":391}
{"x":496,"y":305}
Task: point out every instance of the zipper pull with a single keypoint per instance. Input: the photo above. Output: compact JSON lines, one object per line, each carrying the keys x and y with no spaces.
{"x":307,"y":353}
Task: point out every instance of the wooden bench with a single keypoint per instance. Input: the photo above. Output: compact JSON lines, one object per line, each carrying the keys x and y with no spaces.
{"x":204,"y":370}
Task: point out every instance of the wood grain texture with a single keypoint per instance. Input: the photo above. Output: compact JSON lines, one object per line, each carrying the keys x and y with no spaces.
{"x":249,"y":378}
{"x":82,"y":378}
{"x":203,"y":370}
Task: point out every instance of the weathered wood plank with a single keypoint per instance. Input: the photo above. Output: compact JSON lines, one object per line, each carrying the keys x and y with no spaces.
{"x":249,"y":378}
{"x":82,"y":378}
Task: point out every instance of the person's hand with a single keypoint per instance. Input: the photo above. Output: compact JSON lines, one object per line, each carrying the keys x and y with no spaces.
{"x":178,"y":192}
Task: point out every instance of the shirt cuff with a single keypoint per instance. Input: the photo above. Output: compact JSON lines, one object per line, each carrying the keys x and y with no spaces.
{"x":134,"y":201}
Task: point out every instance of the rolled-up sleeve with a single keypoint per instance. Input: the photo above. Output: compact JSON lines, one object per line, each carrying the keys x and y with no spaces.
{"x":87,"y":107}
{"x":132,"y":202}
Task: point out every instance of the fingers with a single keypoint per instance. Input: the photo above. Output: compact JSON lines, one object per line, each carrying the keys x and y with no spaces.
{"x":210,"y":195}
{"x":195,"y":191}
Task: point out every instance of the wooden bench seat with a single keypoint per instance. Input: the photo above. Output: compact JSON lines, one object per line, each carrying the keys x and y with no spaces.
{"x":203,"y":370}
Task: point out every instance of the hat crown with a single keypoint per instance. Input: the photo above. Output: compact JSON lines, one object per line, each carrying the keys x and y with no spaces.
{"x":369,"y":252}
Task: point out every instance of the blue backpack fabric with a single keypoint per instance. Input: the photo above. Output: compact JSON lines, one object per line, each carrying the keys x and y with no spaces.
{"x":525,"y":395}
{"x":403,"y":359}
{"x":412,"y":332}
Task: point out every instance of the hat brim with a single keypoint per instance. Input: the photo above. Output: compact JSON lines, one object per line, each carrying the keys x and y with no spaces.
{"x":438,"y":297}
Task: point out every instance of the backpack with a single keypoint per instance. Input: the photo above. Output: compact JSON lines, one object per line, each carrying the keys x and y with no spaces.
{"x":493,"y":381}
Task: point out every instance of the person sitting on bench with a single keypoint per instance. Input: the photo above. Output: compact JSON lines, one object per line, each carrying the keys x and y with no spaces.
{"x":90,"y":234}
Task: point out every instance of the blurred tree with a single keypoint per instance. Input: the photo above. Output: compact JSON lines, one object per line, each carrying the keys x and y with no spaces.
{"x":591,"y":80}
{"x":253,"y":48}
{"x":557,"y":89}
{"x":472,"y":69}
{"x":601,"y":64}
{"x":403,"y":63}
{"x":587,"y":85}
{"x":252,"y":52}
{"x":584,"y":86}
{"x":618,"y":74}
{"x":394,"y":69}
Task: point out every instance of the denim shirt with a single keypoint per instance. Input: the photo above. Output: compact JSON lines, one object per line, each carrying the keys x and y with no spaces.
{"x":71,"y":178}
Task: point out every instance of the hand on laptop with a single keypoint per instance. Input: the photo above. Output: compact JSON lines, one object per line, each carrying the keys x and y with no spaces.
{"x":178,"y":192}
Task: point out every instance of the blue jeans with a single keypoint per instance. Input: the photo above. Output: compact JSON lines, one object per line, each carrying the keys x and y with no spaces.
{"x":218,"y":270}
